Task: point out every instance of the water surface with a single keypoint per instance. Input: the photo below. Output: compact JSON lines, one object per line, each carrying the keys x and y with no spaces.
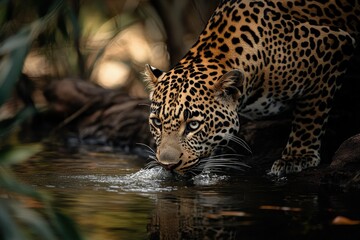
{"x":111,"y":196}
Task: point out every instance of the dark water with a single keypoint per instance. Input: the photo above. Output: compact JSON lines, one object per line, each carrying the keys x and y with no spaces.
{"x":111,"y":197}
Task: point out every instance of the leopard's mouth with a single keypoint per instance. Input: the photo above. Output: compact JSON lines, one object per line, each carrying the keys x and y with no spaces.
{"x":217,"y":163}
{"x":182,"y":168}
{"x":170,"y":167}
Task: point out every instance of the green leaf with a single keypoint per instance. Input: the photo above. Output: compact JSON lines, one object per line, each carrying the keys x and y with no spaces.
{"x":9,"y":228}
{"x":67,"y":227}
{"x":17,"y":154}
{"x":36,"y":222}
{"x":11,"y":66}
{"x":15,"y":48}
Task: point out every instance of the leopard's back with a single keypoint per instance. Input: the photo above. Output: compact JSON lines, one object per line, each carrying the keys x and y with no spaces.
{"x":255,"y":58}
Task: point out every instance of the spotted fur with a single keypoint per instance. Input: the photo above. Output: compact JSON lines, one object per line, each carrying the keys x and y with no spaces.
{"x":254,"y":58}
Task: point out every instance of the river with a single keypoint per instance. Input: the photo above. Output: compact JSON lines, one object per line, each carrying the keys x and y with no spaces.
{"x":112,"y":196}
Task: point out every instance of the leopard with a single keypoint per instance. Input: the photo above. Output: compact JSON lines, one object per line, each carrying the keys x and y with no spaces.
{"x":254,"y":59}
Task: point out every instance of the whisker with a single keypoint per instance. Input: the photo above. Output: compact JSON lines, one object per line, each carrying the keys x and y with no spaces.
{"x":147,"y":147}
{"x":224,"y":147}
{"x":225,"y":156}
{"x":225,"y":163}
{"x":231,"y":149}
{"x":151,"y":164}
{"x":217,"y":164}
{"x":149,"y":153}
{"x":241,"y":142}
{"x":153,"y":157}
{"x":222,"y":166}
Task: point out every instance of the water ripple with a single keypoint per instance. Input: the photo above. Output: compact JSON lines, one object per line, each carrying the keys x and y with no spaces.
{"x":151,"y":181}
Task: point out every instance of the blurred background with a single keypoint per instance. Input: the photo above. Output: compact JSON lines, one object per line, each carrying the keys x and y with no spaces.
{"x":107,"y":42}
{"x":96,"y":46}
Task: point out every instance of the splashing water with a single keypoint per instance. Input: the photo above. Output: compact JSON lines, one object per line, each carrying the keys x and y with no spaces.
{"x":146,"y":180}
{"x":158,"y":176}
{"x":206,"y":178}
{"x":151,"y":180}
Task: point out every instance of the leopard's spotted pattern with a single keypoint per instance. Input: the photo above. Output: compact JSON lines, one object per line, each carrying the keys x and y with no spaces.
{"x":254,"y":58}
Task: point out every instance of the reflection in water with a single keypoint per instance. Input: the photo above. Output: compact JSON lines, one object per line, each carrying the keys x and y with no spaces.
{"x":111,"y":197}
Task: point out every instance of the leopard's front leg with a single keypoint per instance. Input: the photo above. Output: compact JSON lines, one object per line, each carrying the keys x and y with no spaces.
{"x":303,"y":147}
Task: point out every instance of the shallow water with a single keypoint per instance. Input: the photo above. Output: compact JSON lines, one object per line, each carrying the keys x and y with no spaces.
{"x":111,"y":196}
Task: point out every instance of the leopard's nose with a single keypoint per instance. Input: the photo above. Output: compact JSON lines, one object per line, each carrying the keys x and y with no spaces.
{"x":169,"y":160}
{"x":169,"y":167}
{"x":169,"y":157}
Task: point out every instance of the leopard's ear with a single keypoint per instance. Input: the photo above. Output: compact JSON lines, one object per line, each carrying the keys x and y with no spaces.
{"x":230,"y":84}
{"x":151,"y":76}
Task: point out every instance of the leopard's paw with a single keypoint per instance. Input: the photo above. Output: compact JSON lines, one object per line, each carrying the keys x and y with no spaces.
{"x":282,"y":167}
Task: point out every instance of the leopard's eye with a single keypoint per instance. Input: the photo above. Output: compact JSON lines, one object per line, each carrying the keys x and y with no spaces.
{"x":156,"y":122}
{"x":192,"y":126}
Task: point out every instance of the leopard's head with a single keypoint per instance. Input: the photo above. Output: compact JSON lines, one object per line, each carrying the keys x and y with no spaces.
{"x":192,"y":114}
